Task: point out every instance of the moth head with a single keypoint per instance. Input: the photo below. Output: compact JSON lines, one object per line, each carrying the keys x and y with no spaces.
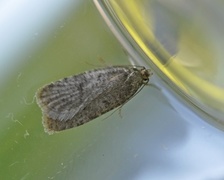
{"x":146,"y":73}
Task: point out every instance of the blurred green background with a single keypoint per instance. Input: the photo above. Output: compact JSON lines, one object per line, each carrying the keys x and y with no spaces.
{"x":77,"y":42}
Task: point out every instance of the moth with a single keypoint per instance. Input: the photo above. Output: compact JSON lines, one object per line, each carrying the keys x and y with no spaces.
{"x":78,"y":99}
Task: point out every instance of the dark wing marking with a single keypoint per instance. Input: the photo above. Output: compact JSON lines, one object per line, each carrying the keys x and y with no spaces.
{"x":63,"y":99}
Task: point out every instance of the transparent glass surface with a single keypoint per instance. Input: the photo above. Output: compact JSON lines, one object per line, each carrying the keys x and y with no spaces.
{"x":182,"y":41}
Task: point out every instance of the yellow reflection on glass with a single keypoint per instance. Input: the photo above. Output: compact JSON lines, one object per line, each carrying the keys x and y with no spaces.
{"x":182,"y":41}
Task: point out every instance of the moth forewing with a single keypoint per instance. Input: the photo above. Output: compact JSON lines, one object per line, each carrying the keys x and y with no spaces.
{"x":78,"y":99}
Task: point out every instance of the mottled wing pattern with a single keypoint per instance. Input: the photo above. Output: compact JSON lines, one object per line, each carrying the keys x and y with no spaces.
{"x":62,"y":99}
{"x":78,"y":99}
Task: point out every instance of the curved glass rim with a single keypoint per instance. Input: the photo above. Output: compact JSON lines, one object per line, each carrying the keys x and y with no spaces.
{"x":137,"y":55}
